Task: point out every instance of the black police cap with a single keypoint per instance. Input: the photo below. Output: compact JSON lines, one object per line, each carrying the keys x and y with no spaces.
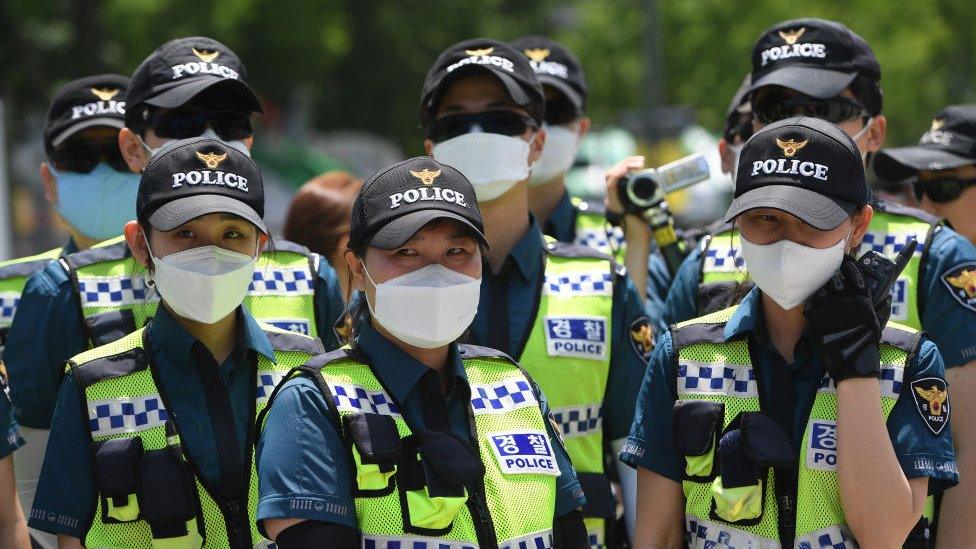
{"x":555,"y":66}
{"x":949,"y":143}
{"x":199,"y":177}
{"x":84,"y":103}
{"x":399,"y":200}
{"x":804,"y":166}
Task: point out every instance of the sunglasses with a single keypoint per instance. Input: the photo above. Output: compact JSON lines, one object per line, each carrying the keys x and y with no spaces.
{"x":775,"y":106}
{"x":941,"y":190}
{"x":508,"y":123}
{"x":560,"y":110}
{"x":81,"y":155}
{"x":185,"y":123}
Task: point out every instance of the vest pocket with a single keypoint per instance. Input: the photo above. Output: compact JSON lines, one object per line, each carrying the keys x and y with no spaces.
{"x":116,"y":468}
{"x":168,"y":497}
{"x":695,"y":427}
{"x":110,"y":326}
{"x":375,"y":451}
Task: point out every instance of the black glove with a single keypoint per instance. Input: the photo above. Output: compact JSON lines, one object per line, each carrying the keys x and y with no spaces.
{"x":849,"y":312}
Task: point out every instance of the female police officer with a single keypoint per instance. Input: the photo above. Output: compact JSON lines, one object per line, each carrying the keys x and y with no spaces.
{"x":405,"y":438}
{"x":739,"y":430}
{"x":151,"y":443}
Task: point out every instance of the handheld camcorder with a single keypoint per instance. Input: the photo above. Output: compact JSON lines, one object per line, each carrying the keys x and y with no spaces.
{"x":644,"y":190}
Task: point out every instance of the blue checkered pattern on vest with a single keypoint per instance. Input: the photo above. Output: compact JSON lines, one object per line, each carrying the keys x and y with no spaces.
{"x":281,"y":281}
{"x":575,"y":421}
{"x":355,"y":398}
{"x":709,"y":378}
{"x":502,"y":397}
{"x":592,"y":283}
{"x":125,"y":415}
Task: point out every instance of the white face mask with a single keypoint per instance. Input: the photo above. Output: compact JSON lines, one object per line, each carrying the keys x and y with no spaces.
{"x":429,"y":307}
{"x":208,"y":133}
{"x":493,"y":163}
{"x":204,"y":284}
{"x":557,"y":156}
{"x":788,"y":272}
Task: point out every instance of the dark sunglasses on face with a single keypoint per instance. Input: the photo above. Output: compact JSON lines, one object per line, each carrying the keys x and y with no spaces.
{"x":941,"y":190}
{"x":560,"y":110}
{"x":776,"y":105}
{"x":186,"y":123}
{"x":81,"y":155}
{"x":508,"y":123}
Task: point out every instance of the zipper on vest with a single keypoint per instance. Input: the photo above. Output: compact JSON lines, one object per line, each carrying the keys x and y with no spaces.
{"x":477,"y":503}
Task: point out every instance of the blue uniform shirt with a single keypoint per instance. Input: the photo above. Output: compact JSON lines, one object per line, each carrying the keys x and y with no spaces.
{"x":949,"y":319}
{"x":920,"y":453}
{"x":562,"y":227}
{"x":11,"y":439}
{"x":301,"y":456}
{"x":66,"y":487}
{"x":48,"y":330}
{"x":519,"y":282}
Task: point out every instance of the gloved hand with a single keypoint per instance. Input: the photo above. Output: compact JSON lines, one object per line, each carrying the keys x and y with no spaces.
{"x":842,"y":317}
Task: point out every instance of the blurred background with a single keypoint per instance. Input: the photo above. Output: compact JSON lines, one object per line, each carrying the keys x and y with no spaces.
{"x":340,"y":79}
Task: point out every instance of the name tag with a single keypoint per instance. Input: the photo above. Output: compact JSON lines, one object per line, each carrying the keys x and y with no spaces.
{"x":524,"y":452}
{"x":577,"y":336}
{"x":822,"y":447}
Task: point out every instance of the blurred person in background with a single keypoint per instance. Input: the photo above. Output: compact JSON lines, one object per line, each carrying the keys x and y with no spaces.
{"x":839,"y":81}
{"x":87,"y":182}
{"x":567,"y":313}
{"x":318,"y":218}
{"x":13,"y":526}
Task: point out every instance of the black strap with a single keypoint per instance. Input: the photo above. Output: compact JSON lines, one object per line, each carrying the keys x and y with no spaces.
{"x":222,"y":419}
{"x":434,"y":402}
{"x":498,"y":322}
{"x":313,"y":533}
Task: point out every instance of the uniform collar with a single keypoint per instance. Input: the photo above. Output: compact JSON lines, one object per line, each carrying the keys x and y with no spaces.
{"x":176,"y":343}
{"x":562,"y":221}
{"x":747,"y":316}
{"x":396,"y":369}
{"x":70,"y":247}
{"x":528,"y":250}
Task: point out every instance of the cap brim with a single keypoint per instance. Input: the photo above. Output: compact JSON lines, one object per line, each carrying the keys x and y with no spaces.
{"x":402,"y":229}
{"x":820,"y":211}
{"x":90,"y":123}
{"x":173,"y":214}
{"x":819,"y":83}
{"x":239,"y":94}
{"x":904,"y":162}
{"x":512,"y":87}
{"x":563,"y":88}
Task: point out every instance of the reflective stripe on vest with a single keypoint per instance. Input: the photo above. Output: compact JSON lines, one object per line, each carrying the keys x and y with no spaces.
{"x":710,"y":369}
{"x":13,"y":277}
{"x":722,"y":263}
{"x":521,"y":503}
{"x":122,"y":401}
{"x":110,"y":282}
{"x":593,"y":231}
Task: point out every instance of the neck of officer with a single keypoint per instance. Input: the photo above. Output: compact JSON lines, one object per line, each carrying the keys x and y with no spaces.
{"x":783,"y":326}
{"x":435,"y":359}
{"x":219,"y":338}
{"x":80,"y":240}
{"x":506,"y":222}
{"x":544,"y":198}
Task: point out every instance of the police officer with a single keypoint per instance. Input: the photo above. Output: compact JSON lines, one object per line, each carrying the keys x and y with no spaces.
{"x":98,"y":295}
{"x":565,"y":312}
{"x":159,"y":447}
{"x":942,"y":167}
{"x":799,"y":417}
{"x":737,"y":127}
{"x":13,"y":527}
{"x":491,"y":470}
{"x":823,"y":69}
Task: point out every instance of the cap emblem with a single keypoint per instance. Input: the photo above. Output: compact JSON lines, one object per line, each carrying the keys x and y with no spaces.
{"x":212,"y":160}
{"x":105,"y":94}
{"x":478,"y":53}
{"x":425,"y":176}
{"x":790,"y":37}
{"x":937,"y":124}
{"x":206,"y":56}
{"x":791,"y":147}
{"x":537,"y":54}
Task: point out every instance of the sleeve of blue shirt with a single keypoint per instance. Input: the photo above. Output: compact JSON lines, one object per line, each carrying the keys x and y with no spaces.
{"x":921,"y":452}
{"x":303,"y":468}
{"x":658,"y":277}
{"x":8,"y":426}
{"x":682,"y":300}
{"x":328,"y":304}
{"x":949,"y":322}
{"x":46,"y":332}
{"x":649,"y":444}
{"x":65,"y":498}
{"x":569,"y":493}
{"x":627,"y":365}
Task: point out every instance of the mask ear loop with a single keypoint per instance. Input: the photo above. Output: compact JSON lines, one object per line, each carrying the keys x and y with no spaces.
{"x":152,"y":258}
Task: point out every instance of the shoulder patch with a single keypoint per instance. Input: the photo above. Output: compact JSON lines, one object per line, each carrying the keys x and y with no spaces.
{"x":642,"y":337}
{"x":960,"y":281}
{"x":932,"y":402}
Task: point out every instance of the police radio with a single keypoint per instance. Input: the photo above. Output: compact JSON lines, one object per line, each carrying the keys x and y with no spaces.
{"x":643,"y":192}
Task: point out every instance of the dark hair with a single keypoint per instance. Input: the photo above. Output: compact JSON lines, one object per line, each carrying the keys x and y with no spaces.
{"x":319,"y":215}
{"x":867,"y":90}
